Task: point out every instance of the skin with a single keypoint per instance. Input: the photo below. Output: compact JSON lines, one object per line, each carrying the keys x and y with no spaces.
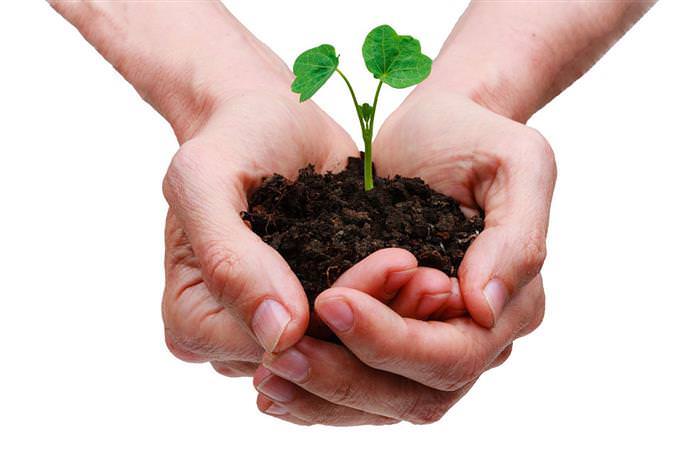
{"x":414,"y":341}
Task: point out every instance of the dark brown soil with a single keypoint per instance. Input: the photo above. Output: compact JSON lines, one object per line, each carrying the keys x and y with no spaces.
{"x":323,"y":224}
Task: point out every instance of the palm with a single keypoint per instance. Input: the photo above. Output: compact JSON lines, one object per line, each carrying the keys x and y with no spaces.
{"x":490,"y":164}
{"x":450,"y":142}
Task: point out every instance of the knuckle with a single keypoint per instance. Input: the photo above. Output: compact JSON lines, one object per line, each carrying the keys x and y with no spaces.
{"x":183,"y":348}
{"x":424,"y":411}
{"x":179,"y":325}
{"x":185,"y":334}
{"x":532,"y":150}
{"x":501,"y":358}
{"x":432,"y":414}
{"x":536,"y":316}
{"x":183,"y":163}
{"x":505,"y":355}
{"x":377,"y":358}
{"x":328,"y":415}
{"x":222,"y":269}
{"x":385,"y":352}
{"x":534,"y":252}
{"x":470,"y":364}
{"x":542,"y":152}
{"x":343,"y":394}
{"x":170,"y":183}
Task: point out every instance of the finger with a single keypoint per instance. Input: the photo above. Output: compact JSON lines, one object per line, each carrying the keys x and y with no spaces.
{"x":330,"y":372}
{"x":308,"y":407}
{"x":381,"y":274}
{"x":511,"y":249}
{"x":442,"y":355}
{"x":234,"y":368}
{"x":502,"y":357}
{"x":454,"y":307}
{"x":270,"y":407}
{"x":207,"y":191}
{"x":430,"y":292}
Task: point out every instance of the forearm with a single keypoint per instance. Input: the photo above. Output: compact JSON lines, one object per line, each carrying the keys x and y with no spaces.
{"x":181,"y":57}
{"x":514,"y":57}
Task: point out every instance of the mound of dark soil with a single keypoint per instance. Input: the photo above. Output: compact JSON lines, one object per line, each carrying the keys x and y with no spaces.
{"x":324,"y":224}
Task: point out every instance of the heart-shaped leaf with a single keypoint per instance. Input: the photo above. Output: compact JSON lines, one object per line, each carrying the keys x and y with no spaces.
{"x":312,"y":69}
{"x":395,"y":59}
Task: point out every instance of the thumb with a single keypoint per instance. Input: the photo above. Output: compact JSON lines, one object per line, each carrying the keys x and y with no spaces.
{"x":206,"y":186}
{"x":511,"y":249}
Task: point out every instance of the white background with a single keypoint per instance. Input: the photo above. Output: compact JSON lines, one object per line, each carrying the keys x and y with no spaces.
{"x":84,"y":367}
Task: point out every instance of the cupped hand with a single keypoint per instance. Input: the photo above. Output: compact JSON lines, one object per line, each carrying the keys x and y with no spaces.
{"x":491,"y":165}
{"x":228,"y":294}
{"x":393,"y":368}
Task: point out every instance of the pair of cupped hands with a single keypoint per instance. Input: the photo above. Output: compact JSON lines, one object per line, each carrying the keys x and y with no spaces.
{"x":413,"y":340}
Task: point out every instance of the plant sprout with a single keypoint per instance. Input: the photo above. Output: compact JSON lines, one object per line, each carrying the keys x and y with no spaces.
{"x":392,"y":59}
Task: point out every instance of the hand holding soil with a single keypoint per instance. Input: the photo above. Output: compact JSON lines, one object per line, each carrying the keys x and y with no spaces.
{"x":489,"y":164}
{"x":407,"y":341}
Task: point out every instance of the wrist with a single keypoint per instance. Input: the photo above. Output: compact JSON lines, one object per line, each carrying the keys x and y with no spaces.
{"x":183,"y":59}
{"x":494,"y":83}
{"x":514,"y":58}
{"x":507,"y":70}
{"x":189,"y":92}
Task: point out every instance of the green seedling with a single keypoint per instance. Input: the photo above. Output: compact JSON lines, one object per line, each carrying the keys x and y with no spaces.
{"x":392,"y":59}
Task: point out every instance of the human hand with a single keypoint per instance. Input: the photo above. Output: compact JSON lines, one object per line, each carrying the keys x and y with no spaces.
{"x":489,"y":164}
{"x":227,"y":97}
{"x":406,"y":369}
{"x":228,"y":294}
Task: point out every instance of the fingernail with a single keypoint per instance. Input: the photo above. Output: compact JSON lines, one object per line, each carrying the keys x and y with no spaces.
{"x":496,"y":296}
{"x":291,"y":365}
{"x":430,"y":303}
{"x":277,"y":389}
{"x":396,"y":280}
{"x":269,"y":322}
{"x":276,"y":409}
{"x":337,"y":314}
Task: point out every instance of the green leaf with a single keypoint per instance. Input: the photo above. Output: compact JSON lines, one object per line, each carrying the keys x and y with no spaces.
{"x":312,"y":69}
{"x":395,"y":59}
{"x":366,"y":111}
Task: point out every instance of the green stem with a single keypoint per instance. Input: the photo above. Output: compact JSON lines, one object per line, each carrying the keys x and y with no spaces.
{"x":366,"y":130}
{"x":375,"y":106}
{"x":354,"y":99}
{"x":368,"y":143}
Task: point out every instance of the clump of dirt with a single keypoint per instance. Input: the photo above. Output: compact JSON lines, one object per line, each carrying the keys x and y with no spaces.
{"x":324,"y":224}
